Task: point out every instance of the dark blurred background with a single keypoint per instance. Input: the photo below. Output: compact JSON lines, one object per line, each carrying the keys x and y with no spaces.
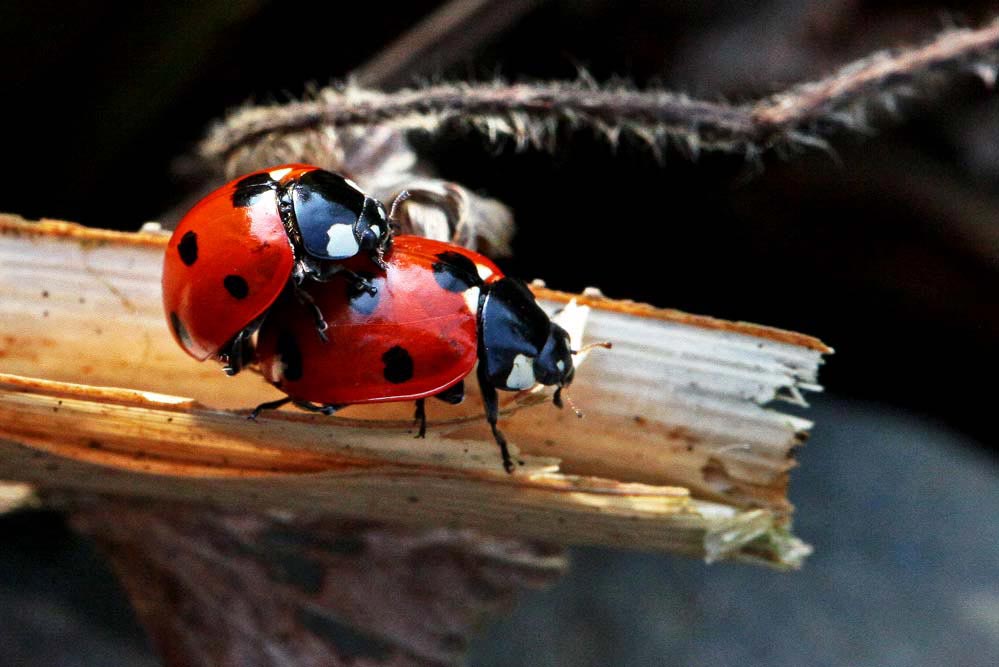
{"x":887,"y":250}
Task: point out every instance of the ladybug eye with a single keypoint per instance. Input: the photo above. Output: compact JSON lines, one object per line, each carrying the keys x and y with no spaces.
{"x":370,"y":237}
{"x":372,"y":225}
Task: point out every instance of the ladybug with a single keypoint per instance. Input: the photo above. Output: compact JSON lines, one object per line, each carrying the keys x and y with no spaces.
{"x":437,"y":310}
{"x":234,"y":253}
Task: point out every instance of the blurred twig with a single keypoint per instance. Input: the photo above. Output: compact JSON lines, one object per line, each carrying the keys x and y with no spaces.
{"x":531,"y":113}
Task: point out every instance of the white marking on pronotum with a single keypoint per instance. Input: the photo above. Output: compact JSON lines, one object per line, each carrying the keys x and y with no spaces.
{"x":471,"y":296}
{"x":522,"y":374}
{"x":376,"y":230}
{"x":483,"y":271}
{"x":342,"y":243}
{"x":278,"y":174}
{"x":560,"y":365}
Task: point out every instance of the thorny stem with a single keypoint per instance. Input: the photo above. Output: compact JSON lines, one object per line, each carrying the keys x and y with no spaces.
{"x":531,"y":113}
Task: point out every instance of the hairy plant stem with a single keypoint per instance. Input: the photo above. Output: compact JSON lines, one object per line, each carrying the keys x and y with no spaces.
{"x":531,"y":113}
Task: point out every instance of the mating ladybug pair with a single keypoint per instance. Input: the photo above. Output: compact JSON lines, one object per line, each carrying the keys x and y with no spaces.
{"x":296,"y":268}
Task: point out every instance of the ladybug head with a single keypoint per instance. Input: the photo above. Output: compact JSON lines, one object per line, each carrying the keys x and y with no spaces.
{"x":553,"y":366}
{"x":372,"y":230}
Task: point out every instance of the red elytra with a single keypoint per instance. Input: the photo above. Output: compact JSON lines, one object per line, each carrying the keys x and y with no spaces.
{"x":226,"y":264}
{"x":415,"y":337}
{"x":305,"y":260}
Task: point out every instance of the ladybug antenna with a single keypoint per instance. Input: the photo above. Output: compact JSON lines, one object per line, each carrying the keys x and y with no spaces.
{"x":557,"y":400}
{"x":399,"y":198}
{"x":606,"y":344}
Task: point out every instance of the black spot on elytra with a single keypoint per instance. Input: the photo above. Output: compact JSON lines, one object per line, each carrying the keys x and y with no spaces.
{"x":252,"y":187}
{"x":359,"y":298}
{"x":236,"y":286}
{"x":290,"y":356}
{"x":455,"y":272}
{"x":178,"y":328}
{"x":188,"y":248}
{"x":398,"y":365}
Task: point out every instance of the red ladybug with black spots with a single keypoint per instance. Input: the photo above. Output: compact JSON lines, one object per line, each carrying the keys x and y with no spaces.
{"x":296,"y":268}
{"x":238,"y":249}
{"x":437,"y":309}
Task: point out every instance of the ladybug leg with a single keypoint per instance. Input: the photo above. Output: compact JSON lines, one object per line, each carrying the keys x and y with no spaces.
{"x":306,"y":300}
{"x":328,"y":409}
{"x":452,"y":395}
{"x":491,"y":400}
{"x":325,"y":271}
{"x":421,"y":416}
{"x":378,"y":257}
{"x":270,"y":405}
{"x":361,"y":283}
{"x":238,"y":352}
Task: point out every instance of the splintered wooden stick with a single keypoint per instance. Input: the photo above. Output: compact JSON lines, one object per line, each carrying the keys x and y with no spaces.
{"x":677,"y":450}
